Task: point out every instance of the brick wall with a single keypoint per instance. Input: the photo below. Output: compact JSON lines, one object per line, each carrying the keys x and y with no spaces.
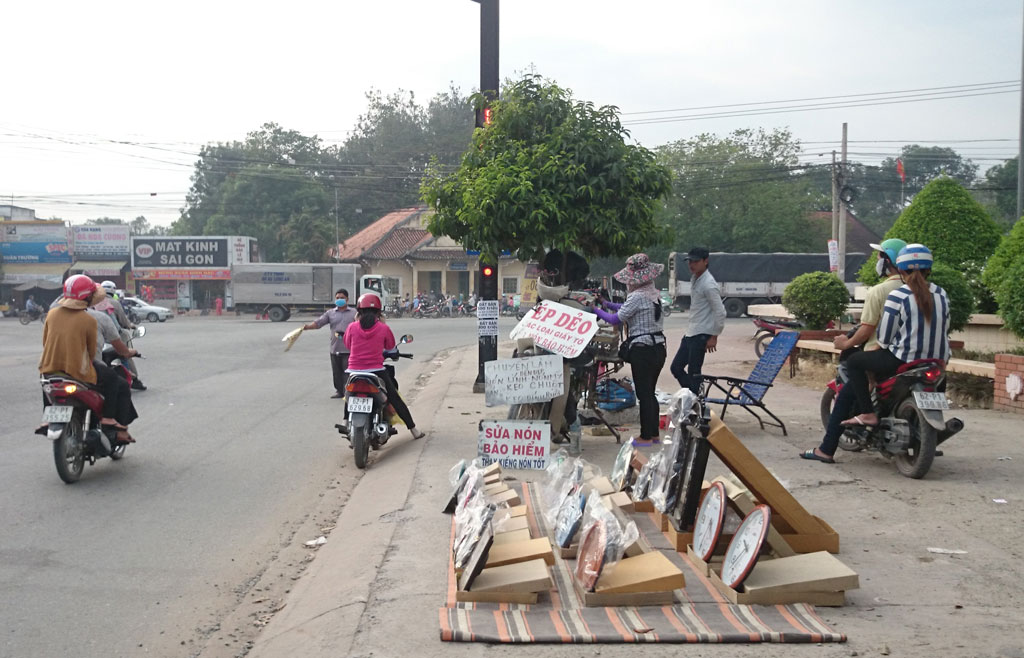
{"x":1007,"y":364}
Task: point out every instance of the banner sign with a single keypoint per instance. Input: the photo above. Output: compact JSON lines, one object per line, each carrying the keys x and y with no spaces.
{"x":487,"y":317}
{"x":34,"y":242}
{"x":102,"y":241}
{"x":557,"y":328}
{"x":179,"y":252}
{"x":516,"y":444}
{"x":517,"y":381}
{"x":220,"y":275}
{"x":833,"y":256}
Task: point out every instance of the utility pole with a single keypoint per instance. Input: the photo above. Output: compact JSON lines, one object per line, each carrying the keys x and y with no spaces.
{"x":842,"y":214}
{"x":835,"y":198}
{"x":487,"y":273}
{"x":337,"y":233}
{"x":1020,"y":150}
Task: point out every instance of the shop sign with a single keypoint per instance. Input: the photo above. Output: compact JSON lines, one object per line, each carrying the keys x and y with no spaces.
{"x":557,"y":328}
{"x":179,"y":252}
{"x":103,"y":241}
{"x":515,"y":444}
{"x":221,"y":275}
{"x":34,"y":242}
{"x":519,"y":381}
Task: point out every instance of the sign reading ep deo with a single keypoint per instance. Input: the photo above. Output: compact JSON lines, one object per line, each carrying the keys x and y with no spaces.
{"x":557,"y":328}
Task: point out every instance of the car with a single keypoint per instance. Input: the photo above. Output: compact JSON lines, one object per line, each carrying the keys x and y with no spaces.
{"x":134,"y":306}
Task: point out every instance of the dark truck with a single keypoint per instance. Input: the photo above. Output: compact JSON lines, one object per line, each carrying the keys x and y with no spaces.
{"x":751,"y":278}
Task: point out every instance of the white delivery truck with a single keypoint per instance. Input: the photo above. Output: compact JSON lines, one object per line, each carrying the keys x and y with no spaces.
{"x":753,"y":278}
{"x":280,"y":289}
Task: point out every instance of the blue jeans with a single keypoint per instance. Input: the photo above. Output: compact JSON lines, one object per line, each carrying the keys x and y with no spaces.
{"x":688,"y":361}
{"x":841,"y":410}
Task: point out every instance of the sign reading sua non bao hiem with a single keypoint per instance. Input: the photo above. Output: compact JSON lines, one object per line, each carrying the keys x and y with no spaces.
{"x":515,"y":444}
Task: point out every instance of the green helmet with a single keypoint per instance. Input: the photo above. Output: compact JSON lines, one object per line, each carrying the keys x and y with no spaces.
{"x":891,"y":248}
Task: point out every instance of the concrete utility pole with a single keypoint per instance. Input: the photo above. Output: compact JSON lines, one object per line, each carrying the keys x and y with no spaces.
{"x":835,"y":198}
{"x":842,"y":215}
{"x":1020,"y":150}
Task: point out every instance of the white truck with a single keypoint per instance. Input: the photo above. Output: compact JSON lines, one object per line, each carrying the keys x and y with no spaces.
{"x":280,"y":289}
{"x":753,"y":278}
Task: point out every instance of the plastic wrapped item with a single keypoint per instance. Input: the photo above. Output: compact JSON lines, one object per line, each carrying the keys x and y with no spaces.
{"x":476,"y":516}
{"x":570,"y":515}
{"x":622,"y":467}
{"x":603,"y":542}
{"x":575,"y":436}
{"x":641,"y":488}
{"x":560,"y":477}
{"x":684,"y":409}
{"x":455,"y":474}
{"x":659,"y":490}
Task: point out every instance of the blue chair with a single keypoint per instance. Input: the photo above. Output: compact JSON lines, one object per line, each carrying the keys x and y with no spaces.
{"x":749,"y":393}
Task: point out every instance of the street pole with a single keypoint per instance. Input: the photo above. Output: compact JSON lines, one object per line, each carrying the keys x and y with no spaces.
{"x":1020,"y":150}
{"x":842,"y":214}
{"x":835,"y":198}
{"x":337,"y":233}
{"x":488,"y":344}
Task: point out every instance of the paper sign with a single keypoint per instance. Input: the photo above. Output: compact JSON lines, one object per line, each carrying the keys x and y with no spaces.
{"x":833,"y":256}
{"x":557,"y":328}
{"x":487,"y":326}
{"x":487,"y":309}
{"x":530,"y":379}
{"x":515,"y":444}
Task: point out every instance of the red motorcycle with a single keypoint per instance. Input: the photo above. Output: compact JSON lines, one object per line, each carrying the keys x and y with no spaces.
{"x":910,"y":406}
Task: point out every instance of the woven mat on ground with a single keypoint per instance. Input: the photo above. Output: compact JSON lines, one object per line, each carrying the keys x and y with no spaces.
{"x":703,"y":614}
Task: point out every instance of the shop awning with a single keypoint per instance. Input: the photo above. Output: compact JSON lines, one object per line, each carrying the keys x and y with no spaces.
{"x":99,"y":267}
{"x":15,"y":273}
{"x":41,"y":284}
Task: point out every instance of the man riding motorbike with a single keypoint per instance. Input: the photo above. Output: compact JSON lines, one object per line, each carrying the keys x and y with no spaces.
{"x":887,"y":252}
{"x":112,"y":306}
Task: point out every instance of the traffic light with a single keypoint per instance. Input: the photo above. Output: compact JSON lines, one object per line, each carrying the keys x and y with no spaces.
{"x":488,"y":115}
{"x":488,"y":282}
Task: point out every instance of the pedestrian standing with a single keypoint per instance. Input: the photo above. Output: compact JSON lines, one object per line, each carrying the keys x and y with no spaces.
{"x":338,"y":318}
{"x":646,"y":354}
{"x":707,"y":320}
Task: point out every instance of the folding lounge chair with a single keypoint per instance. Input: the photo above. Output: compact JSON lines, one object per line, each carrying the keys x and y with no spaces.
{"x":749,"y":393}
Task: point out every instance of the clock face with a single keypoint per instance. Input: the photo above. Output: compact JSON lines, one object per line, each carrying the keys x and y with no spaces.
{"x":745,"y":546}
{"x":710,"y":520}
{"x":592,"y":555}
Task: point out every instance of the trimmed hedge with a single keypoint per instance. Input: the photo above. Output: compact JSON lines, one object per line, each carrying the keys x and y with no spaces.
{"x":961,"y":298}
{"x":816,"y":298}
{"x":1009,"y":251}
{"x":1011,"y":297}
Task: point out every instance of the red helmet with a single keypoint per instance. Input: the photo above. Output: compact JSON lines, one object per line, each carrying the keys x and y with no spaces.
{"x":79,"y":287}
{"x":369,"y":300}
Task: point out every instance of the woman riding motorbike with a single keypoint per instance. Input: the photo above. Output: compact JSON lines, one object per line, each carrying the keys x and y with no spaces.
{"x":367,"y":339}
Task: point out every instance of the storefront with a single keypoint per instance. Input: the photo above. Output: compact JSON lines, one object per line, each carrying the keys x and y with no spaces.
{"x":189,"y":272}
{"x":36,"y":256}
{"x":101,"y":252}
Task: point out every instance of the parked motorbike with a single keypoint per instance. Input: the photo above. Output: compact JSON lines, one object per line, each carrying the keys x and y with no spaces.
{"x":367,"y":408}
{"x":28,"y":317}
{"x":909,"y":406}
{"x":427,"y":311}
{"x":73,"y":419}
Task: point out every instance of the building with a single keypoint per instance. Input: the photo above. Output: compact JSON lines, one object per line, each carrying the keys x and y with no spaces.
{"x":399,"y":246}
{"x":189,"y":272}
{"x":11,"y":213}
{"x":858,"y":236}
{"x":35,"y":254}
{"x":101,"y":251}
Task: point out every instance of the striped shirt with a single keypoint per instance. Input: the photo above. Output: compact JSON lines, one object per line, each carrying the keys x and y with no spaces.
{"x":638,"y":312}
{"x":904,"y":332}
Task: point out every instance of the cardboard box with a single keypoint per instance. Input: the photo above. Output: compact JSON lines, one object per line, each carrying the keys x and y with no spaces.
{"x":619,"y":499}
{"x":511,"y":524}
{"x":650,"y":572}
{"x":495,"y":597}
{"x":513,"y":536}
{"x":645,"y":506}
{"x":828,"y":599}
{"x":520,"y":577}
{"x":510,"y":498}
{"x":520,"y":551}
{"x":597,"y":600}
{"x":602,"y":485}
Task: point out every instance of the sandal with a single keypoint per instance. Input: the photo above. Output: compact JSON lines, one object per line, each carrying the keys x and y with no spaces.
{"x":858,"y":421}
{"x":417,"y":434}
{"x":124,"y":437}
{"x":813,"y":456}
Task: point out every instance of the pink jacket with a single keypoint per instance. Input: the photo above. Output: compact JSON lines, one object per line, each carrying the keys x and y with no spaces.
{"x":366,"y":346}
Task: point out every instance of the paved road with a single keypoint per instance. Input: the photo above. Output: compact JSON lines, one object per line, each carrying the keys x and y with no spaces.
{"x":236,"y":454}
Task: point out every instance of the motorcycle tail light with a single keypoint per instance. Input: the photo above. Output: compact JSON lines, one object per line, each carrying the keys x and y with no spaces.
{"x":933,"y":374}
{"x":361,"y":386}
{"x":70,"y":388}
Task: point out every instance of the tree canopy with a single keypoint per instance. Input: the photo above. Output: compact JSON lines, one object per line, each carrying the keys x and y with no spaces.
{"x":549,"y":172}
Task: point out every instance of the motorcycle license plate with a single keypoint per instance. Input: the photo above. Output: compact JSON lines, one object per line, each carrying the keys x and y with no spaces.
{"x":57,"y":414}
{"x":360,"y":405}
{"x":928,"y":400}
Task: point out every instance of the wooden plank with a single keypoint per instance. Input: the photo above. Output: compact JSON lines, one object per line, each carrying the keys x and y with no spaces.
{"x":492,"y":468}
{"x":596,"y":600}
{"x":811,"y":572}
{"x":521,"y":551}
{"x":503,"y":513}
{"x":510,"y":498}
{"x":513,"y":536}
{"x":744,"y":504}
{"x":529,"y":576}
{"x":494,"y":489}
{"x":761,"y":483}
{"x":650,"y":572}
{"x":495,"y":597}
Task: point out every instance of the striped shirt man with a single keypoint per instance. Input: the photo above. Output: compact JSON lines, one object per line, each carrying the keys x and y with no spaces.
{"x":904,"y":332}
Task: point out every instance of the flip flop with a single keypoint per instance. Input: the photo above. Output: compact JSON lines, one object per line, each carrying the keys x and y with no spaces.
{"x":813,"y":456}
{"x":856,"y":421}
{"x":124,"y":437}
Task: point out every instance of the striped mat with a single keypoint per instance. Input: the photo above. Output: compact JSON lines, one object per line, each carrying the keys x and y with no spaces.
{"x":703,"y":615}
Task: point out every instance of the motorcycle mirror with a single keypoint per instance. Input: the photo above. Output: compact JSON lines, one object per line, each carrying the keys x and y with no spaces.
{"x":140,"y":331}
{"x":407,"y":338}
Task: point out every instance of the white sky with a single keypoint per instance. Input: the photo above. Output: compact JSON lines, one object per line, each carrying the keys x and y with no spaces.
{"x":78,"y":77}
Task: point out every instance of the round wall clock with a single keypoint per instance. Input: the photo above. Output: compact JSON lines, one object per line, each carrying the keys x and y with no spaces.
{"x":710,"y":520}
{"x":745,"y":546}
{"x":592,"y":555}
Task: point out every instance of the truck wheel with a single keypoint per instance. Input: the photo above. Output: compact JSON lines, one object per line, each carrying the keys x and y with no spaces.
{"x":278,"y":314}
{"x":735,"y":307}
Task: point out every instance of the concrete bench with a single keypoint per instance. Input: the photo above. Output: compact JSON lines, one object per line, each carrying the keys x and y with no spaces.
{"x":964,"y":366}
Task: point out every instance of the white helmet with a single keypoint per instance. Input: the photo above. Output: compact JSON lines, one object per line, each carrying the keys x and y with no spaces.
{"x":109,"y":286}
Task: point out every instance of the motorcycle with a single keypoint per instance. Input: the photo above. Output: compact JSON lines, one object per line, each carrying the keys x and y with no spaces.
{"x":427,"y":311}
{"x":666,"y":303}
{"x":367,"y":408}
{"x":911,"y":425}
{"x":27,"y":317}
{"x":73,"y":418}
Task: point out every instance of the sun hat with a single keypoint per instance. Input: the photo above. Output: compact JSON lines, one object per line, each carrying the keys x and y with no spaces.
{"x":639,"y":269}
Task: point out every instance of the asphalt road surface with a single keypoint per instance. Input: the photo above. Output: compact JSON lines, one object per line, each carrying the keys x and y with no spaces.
{"x":236,"y":455}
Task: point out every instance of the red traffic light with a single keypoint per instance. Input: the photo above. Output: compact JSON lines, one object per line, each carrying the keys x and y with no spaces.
{"x":487,"y":116}
{"x":488,"y":270}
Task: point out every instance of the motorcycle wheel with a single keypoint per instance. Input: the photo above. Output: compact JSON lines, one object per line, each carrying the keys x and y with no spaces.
{"x":916,"y":462}
{"x":360,"y":443}
{"x":69,"y":451}
{"x":24,"y":318}
{"x":762,"y":342}
{"x":828,"y":398}
{"x":666,"y":310}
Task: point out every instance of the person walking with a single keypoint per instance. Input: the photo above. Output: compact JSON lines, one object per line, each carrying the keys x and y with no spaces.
{"x":339,"y":318}
{"x":646,"y":353}
{"x":707,"y":320}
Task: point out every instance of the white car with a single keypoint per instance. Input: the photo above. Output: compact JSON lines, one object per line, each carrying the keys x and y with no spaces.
{"x":143,"y":311}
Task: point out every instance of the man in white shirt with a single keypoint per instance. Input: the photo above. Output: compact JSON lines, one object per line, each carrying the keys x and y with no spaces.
{"x":707,"y":319}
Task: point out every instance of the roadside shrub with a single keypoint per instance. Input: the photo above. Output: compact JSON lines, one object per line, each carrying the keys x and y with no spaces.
{"x":1010,"y":250}
{"x":1011,"y":297}
{"x":816,"y":298}
{"x":866,"y":273}
{"x":961,"y":298}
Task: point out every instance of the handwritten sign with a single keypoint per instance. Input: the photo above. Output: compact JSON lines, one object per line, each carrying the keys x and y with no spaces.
{"x":833,"y":256}
{"x":530,"y":379}
{"x":515,"y":444}
{"x":557,"y":328}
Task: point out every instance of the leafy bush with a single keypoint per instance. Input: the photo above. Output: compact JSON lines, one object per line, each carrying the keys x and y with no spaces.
{"x":1011,"y":297}
{"x":961,"y":298}
{"x":945,"y":218}
{"x":866,"y":274}
{"x":1010,"y":250}
{"x":816,"y":298}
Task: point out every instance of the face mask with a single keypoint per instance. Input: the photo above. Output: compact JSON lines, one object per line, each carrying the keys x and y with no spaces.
{"x":340,"y":303}
{"x":880,"y":267}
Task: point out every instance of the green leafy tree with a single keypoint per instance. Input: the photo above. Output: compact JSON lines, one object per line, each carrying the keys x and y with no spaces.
{"x":742,"y":192}
{"x":958,"y":290}
{"x":1011,"y":297}
{"x":549,"y":172}
{"x":816,"y":298}
{"x":1009,"y":251}
{"x":1001,"y":184}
